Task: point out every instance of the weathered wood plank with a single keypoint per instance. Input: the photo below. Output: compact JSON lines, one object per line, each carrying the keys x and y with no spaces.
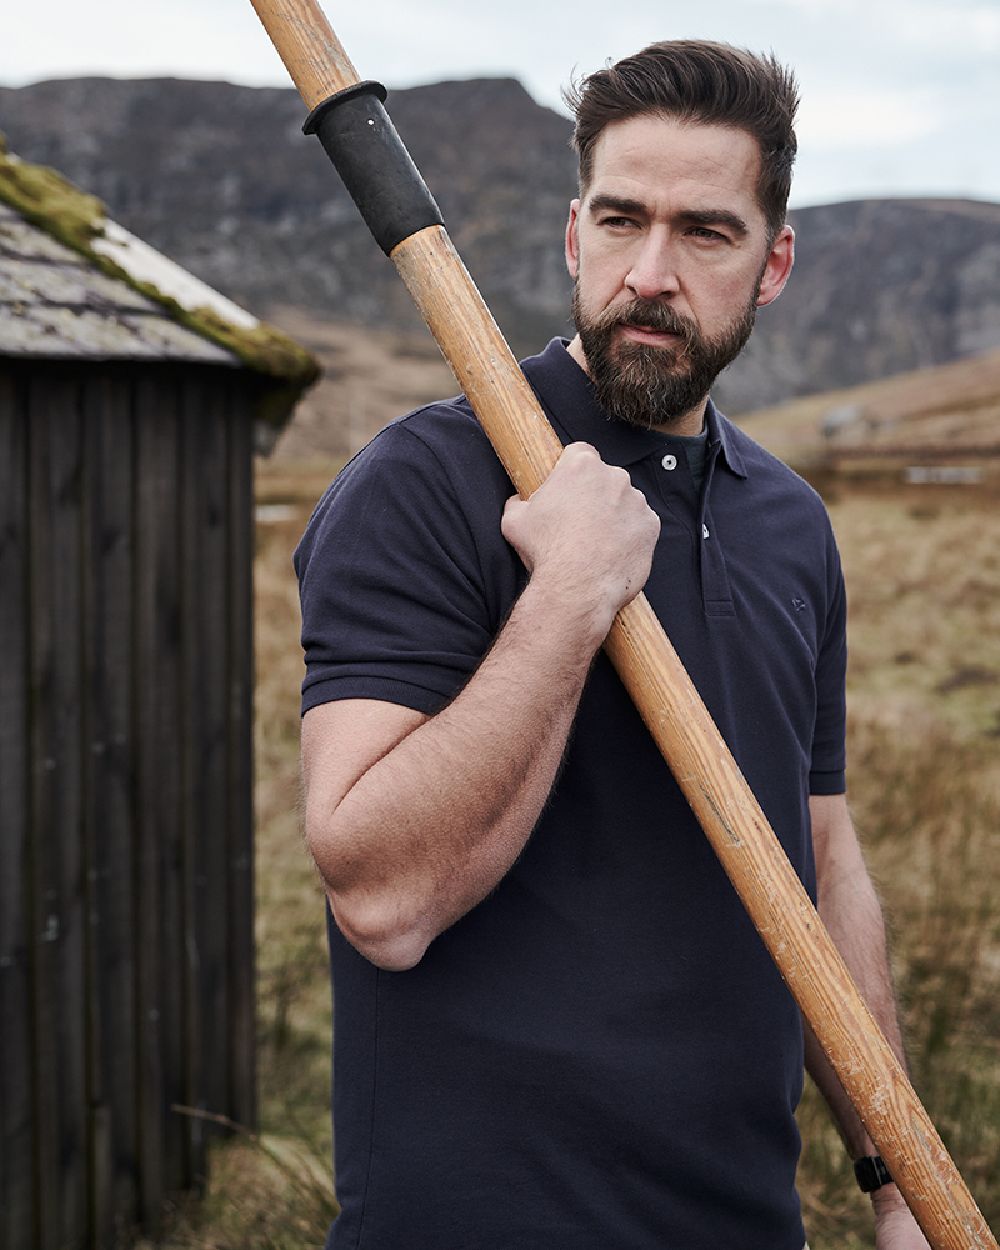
{"x":126,"y":896}
{"x":242,"y":1024}
{"x":108,"y":489}
{"x":172,"y":959}
{"x":194,"y":686}
{"x":55,"y":599}
{"x":17,"y":1178}
{"x":204,"y":578}
{"x":157,"y":785}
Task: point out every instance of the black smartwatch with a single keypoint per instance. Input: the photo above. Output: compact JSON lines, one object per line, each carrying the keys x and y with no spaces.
{"x":872,"y":1173}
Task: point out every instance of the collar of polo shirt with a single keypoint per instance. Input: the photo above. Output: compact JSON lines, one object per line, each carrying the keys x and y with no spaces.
{"x":582,"y":420}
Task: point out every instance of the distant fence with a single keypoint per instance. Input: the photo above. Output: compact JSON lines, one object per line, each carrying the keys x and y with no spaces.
{"x":950,"y":464}
{"x":126,"y":882}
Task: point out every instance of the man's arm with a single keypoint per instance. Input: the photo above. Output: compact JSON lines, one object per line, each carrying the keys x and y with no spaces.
{"x":413,"y":820}
{"x":850,"y":909}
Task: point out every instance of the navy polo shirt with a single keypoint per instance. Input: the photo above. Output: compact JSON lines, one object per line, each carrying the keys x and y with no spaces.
{"x":601,"y":1053}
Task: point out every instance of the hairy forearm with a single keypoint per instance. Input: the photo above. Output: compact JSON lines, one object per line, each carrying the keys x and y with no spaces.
{"x":430,"y":828}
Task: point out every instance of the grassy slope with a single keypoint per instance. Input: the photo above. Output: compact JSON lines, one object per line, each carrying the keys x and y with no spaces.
{"x":923,"y":571}
{"x":956,"y":403}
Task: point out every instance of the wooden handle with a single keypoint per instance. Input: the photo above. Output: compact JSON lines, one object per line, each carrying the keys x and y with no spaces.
{"x":311,"y":52}
{"x":673,"y":711}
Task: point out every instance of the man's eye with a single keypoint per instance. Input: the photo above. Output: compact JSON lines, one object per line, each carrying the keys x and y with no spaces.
{"x":617,"y":222}
{"x":704,"y":232}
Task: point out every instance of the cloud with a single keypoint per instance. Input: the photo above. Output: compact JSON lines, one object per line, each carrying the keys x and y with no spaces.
{"x":852,"y":116}
{"x":968,"y":27}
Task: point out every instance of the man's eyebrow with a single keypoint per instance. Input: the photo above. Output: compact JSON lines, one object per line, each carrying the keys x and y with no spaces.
{"x":616,"y":204}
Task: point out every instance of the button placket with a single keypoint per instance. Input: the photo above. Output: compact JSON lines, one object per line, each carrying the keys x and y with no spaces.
{"x":715,"y":588}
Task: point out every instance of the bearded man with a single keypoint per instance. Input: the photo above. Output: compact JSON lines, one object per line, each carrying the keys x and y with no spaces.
{"x":556,"y":1029}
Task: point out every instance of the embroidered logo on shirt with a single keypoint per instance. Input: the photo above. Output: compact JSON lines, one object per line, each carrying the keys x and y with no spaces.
{"x":799,"y":604}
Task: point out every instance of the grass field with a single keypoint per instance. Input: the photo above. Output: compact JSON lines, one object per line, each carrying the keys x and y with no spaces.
{"x":923,"y":572}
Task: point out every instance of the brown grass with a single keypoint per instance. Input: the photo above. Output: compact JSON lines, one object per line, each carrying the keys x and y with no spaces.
{"x":924,"y":741}
{"x":924,"y":573}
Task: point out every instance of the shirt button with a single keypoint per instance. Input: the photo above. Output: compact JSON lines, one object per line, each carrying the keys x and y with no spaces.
{"x":704,"y":531}
{"x":669,"y":462}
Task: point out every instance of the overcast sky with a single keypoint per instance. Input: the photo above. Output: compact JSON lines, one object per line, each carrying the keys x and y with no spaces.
{"x":900,"y":97}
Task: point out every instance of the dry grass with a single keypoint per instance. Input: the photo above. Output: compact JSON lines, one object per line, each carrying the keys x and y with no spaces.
{"x":924,"y":740}
{"x":931,"y":828}
{"x":924,"y":572}
{"x":294,"y":998}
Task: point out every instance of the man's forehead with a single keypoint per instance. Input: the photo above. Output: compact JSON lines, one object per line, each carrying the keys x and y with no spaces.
{"x":653,"y":150}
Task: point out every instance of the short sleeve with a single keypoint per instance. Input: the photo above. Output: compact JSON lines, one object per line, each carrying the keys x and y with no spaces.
{"x":827,"y":770}
{"x":391,"y":581}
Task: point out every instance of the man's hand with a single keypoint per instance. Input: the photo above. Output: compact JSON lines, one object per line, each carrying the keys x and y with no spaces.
{"x":895,"y":1227}
{"x":586,"y":535}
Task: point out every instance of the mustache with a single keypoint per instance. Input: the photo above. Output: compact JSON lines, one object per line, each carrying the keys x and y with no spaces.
{"x":651,"y":315}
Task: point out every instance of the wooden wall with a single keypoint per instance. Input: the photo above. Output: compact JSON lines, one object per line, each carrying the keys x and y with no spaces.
{"x":126,"y":880}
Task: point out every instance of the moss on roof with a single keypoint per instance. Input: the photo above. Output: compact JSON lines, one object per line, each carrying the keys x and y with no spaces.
{"x":49,"y":201}
{"x":75,"y":218}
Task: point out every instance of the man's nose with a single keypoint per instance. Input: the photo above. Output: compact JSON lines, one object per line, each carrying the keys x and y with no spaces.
{"x":654,"y":271}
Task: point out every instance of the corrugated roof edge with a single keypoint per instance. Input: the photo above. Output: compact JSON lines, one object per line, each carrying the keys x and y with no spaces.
{"x":79,"y":220}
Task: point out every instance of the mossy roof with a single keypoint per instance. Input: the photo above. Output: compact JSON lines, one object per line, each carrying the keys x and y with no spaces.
{"x":73,"y":283}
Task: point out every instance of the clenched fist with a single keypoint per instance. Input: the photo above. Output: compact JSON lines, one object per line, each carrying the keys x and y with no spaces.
{"x":586,"y":536}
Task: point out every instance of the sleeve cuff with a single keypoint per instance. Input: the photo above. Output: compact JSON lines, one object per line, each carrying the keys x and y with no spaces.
{"x":827,"y":782}
{"x":386,"y":689}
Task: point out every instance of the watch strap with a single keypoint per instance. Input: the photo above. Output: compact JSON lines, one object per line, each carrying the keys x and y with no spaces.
{"x":872,"y":1173}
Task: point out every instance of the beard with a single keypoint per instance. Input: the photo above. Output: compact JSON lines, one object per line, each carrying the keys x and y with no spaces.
{"x":648,"y":386}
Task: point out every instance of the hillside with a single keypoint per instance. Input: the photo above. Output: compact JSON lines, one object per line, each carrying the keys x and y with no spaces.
{"x":934,"y":413}
{"x":370,"y":376}
{"x":220,"y":178}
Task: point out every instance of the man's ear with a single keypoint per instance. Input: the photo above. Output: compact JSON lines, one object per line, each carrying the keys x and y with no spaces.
{"x":778,"y":266}
{"x":573,"y":239}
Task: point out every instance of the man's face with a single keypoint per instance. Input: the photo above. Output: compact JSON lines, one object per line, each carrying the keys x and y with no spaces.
{"x":670,"y":257}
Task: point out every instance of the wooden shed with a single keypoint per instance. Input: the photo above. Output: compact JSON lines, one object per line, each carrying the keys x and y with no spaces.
{"x":131,"y":401}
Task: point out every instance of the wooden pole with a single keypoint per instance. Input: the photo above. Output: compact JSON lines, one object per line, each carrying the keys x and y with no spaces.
{"x":668,"y":703}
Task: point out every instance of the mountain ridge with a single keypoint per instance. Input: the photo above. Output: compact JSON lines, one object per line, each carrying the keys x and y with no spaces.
{"x":219,"y":177}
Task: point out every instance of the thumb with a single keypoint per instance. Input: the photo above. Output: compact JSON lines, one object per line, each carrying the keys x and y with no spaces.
{"x":511,"y":512}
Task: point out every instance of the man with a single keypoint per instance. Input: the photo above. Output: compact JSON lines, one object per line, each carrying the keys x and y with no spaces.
{"x":556,"y":1028}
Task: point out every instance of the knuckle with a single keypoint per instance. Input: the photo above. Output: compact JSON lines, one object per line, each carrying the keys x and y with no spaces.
{"x":578,"y":450}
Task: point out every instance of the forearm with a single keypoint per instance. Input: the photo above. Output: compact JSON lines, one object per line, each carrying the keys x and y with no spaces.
{"x":851,"y":912}
{"x":431,"y":827}
{"x":849,"y":908}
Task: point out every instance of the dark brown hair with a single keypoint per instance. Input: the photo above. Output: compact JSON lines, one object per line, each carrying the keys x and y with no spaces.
{"x":695,"y":80}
